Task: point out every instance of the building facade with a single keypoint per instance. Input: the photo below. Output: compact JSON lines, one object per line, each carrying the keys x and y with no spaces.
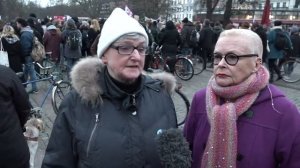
{"x":195,"y":10}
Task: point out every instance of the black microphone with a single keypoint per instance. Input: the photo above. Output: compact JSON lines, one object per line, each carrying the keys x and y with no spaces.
{"x":173,"y":149}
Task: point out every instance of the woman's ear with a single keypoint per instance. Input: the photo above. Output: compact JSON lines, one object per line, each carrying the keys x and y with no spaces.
{"x":104,"y":59}
{"x":258,"y":63}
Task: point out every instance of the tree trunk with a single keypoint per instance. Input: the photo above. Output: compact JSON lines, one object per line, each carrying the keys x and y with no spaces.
{"x":227,"y":13}
{"x":209,"y":10}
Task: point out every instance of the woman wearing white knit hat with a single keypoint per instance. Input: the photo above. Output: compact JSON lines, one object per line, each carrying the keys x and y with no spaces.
{"x":111,"y":117}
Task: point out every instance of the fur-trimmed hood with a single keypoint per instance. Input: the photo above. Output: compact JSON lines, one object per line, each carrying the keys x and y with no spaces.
{"x":85,"y":77}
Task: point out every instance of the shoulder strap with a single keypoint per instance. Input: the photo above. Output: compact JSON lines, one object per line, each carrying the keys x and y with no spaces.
{"x":1,"y":46}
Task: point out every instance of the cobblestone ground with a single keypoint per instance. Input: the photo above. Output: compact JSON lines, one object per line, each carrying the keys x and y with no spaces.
{"x":188,"y":88}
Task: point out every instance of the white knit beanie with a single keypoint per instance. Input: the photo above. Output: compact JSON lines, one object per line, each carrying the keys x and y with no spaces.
{"x":118,"y":24}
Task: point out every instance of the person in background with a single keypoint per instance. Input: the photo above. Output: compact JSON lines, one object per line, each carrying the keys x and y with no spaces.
{"x":72,"y":43}
{"x":276,"y":54}
{"x":239,"y":119}
{"x":14,"y":112}
{"x":170,"y":40}
{"x":52,"y":39}
{"x":114,"y":111}
{"x":84,"y":29}
{"x":94,"y":44}
{"x":94,"y":31}
{"x":186,"y":43}
{"x":11,"y":44}
{"x":295,"y":39}
{"x":258,"y":28}
{"x":26,"y":40}
{"x":206,"y":42}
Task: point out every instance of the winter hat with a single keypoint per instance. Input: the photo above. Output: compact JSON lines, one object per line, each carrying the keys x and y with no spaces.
{"x":51,"y":27}
{"x":118,"y":24}
{"x":294,"y":29}
{"x":71,"y":23}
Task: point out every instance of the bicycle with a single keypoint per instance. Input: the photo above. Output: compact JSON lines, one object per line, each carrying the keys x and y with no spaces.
{"x":291,"y":70}
{"x":57,"y":86}
{"x":57,"y":69}
{"x":183,"y":67}
{"x":198,"y":63}
{"x":182,"y":106}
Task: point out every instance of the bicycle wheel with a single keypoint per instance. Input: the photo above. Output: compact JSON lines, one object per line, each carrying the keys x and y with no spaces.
{"x":184,"y":69}
{"x":58,"y":93}
{"x":198,"y":64}
{"x":291,"y":71}
{"x":182,"y":106}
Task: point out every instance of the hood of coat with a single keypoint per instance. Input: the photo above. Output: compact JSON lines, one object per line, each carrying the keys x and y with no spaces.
{"x":276,"y":27}
{"x":86,"y":76}
{"x":26,"y":29}
{"x":11,"y":39}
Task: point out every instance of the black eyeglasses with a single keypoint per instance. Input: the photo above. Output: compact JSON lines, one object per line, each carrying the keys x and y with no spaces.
{"x":127,"y":50}
{"x":230,"y":58}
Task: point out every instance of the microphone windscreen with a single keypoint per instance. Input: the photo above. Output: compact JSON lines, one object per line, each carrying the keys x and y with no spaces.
{"x":173,"y":149}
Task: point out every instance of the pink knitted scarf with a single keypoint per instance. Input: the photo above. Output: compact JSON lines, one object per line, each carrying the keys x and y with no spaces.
{"x":221,"y":148}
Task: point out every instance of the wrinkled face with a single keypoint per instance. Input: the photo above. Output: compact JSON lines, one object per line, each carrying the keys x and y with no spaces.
{"x":125,"y":68}
{"x":229,"y":75}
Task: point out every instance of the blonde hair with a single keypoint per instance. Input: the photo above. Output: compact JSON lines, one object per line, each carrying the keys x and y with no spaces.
{"x":8,"y":31}
{"x":95,"y":25}
{"x":249,"y":35}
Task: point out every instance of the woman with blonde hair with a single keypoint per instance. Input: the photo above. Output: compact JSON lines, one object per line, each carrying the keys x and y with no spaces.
{"x":11,"y":44}
{"x":93,"y":32}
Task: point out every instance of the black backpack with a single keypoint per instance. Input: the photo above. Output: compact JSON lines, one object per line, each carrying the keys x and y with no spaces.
{"x":280,"y":40}
{"x":73,"y":40}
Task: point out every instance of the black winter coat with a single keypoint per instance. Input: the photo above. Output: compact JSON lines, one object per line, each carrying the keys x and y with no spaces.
{"x":170,"y":41}
{"x":101,"y":126}
{"x":206,"y":38}
{"x":263,"y":36}
{"x":14,"y":110}
{"x":295,"y":38}
{"x":186,"y":35}
{"x":12,"y":45}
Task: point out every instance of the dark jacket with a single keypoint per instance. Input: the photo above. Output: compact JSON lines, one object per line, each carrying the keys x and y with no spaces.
{"x":12,"y":45}
{"x":170,"y":41}
{"x":98,"y":125}
{"x":92,"y":35}
{"x":69,"y":53}
{"x":186,"y":35}
{"x":14,"y":110}
{"x":275,"y":53}
{"x":206,"y":38}
{"x":268,"y":134}
{"x":263,"y":36}
{"x":26,"y":40}
{"x":295,"y":38}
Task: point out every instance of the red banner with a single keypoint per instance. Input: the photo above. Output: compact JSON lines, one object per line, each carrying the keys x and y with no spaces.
{"x":265,"y":20}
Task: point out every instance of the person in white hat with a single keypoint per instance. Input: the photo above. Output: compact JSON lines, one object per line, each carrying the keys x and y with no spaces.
{"x":111,"y":117}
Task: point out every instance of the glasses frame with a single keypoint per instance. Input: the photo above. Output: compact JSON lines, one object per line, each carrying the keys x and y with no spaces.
{"x":238,"y":57}
{"x":133,"y":48}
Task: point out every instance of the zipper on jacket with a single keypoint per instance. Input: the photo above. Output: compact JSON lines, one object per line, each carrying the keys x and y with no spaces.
{"x":133,"y":107}
{"x":92,"y":134}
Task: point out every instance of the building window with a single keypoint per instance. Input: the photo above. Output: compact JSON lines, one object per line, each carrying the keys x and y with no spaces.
{"x":278,"y":5}
{"x":284,"y":4}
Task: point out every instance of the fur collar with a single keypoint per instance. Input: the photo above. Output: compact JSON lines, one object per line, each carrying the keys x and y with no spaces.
{"x":85,"y":77}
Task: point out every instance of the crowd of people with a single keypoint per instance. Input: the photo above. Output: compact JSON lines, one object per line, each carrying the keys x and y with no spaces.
{"x":114,"y":112}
